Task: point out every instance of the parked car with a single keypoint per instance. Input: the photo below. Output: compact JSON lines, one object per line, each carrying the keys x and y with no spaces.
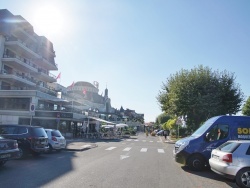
{"x":31,"y":139}
{"x":56,"y":140}
{"x":8,"y":150}
{"x":160,"y":133}
{"x":232,"y":160}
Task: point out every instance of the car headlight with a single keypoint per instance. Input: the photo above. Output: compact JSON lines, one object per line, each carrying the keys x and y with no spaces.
{"x":183,"y":145}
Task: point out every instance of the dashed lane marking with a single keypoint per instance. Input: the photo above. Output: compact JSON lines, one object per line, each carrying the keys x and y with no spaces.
{"x":126,"y":149}
{"x":161,"y":151}
{"x":144,"y":150}
{"x":110,"y":148}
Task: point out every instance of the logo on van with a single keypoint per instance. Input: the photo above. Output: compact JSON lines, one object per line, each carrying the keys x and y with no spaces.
{"x":244,"y":133}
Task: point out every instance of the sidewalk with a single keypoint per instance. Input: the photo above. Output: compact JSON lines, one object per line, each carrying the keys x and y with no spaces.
{"x":168,"y":140}
{"x":80,"y":144}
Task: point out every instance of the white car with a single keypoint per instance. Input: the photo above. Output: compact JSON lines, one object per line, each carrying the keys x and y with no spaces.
{"x":232,"y":160}
{"x":56,"y":140}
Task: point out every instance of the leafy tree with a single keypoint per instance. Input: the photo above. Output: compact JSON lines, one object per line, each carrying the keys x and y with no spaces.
{"x":162,"y":118}
{"x":171,"y":123}
{"x":246,"y":108}
{"x":199,"y":94}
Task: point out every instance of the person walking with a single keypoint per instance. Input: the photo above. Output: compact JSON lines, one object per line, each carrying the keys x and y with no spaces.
{"x":165,"y":134}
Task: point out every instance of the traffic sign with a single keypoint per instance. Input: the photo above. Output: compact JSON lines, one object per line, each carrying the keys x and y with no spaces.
{"x":32,"y":107}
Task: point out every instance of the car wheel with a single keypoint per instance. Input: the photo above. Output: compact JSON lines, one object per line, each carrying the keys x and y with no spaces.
{"x":22,"y":153}
{"x":2,"y":163}
{"x":196,"y":163}
{"x":50,"y":149}
{"x":243,"y":177}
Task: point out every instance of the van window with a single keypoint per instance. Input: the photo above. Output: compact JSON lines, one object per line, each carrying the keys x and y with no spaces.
{"x":22,"y":130}
{"x":8,"y":130}
{"x":203,"y":128}
{"x":218,"y":132}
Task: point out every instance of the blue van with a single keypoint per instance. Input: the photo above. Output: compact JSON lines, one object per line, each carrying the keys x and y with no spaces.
{"x":194,"y":151}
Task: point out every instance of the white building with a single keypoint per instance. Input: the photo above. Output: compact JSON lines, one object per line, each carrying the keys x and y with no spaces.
{"x":29,"y":93}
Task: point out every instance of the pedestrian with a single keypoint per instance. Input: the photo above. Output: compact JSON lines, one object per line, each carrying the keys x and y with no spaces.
{"x":165,"y":134}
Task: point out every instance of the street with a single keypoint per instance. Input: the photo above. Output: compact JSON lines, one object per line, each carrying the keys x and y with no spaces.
{"x":133,"y":162}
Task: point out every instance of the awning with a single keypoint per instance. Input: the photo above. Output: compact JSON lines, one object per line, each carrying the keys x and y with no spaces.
{"x":117,"y":125}
{"x":102,"y":120}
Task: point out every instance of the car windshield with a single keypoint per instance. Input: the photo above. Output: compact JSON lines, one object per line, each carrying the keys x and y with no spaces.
{"x":203,"y":128}
{"x":39,"y":132}
{"x":229,"y":147}
{"x":56,"y":133}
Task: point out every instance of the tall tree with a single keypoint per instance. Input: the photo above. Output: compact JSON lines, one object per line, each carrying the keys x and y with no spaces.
{"x":162,"y":118}
{"x":246,"y":108}
{"x":199,"y":94}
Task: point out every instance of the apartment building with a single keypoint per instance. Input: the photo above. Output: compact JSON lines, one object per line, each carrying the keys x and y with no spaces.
{"x":25,"y":65}
{"x":29,"y":93}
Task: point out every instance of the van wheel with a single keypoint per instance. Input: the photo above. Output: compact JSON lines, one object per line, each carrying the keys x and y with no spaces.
{"x":243,"y":177}
{"x":196,"y":163}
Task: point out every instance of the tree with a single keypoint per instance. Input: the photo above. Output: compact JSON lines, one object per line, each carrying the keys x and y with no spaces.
{"x":199,"y":94}
{"x":162,"y":118}
{"x":246,"y":108}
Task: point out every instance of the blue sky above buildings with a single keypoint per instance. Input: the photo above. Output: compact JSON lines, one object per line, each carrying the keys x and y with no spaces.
{"x":133,"y":46}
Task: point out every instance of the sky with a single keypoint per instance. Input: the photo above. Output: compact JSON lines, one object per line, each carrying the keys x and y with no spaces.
{"x":131,"y":47}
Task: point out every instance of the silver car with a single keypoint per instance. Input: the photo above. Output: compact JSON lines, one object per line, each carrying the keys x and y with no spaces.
{"x":232,"y":160}
{"x":56,"y":140}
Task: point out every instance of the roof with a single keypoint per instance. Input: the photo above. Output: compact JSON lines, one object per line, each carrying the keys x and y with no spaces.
{"x":82,"y":83}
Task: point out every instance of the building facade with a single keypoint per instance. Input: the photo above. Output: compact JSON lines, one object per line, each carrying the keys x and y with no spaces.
{"x":29,"y":93}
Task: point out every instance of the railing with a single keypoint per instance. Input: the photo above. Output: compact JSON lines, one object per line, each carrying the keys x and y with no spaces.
{"x":31,"y":48}
{"x":29,"y":63}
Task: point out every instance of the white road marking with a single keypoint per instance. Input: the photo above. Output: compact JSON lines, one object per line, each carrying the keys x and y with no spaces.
{"x":159,"y":141}
{"x":144,"y":140}
{"x":151,"y":141}
{"x":129,"y":140}
{"x":110,"y":148}
{"x":123,"y":157}
{"x":136,"y":140}
{"x":144,"y":150}
{"x":126,"y":149}
{"x":161,"y":151}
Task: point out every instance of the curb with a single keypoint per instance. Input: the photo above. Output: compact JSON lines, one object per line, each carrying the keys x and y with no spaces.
{"x":81,"y":149}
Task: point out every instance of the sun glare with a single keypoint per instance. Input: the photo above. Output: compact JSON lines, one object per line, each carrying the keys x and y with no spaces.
{"x":48,"y":20}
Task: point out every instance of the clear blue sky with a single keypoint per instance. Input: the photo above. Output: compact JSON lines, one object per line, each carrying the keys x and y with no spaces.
{"x":133,"y":46}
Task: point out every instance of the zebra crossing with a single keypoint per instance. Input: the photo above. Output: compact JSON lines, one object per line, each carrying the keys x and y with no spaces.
{"x":151,"y":141}
{"x":143,"y":150}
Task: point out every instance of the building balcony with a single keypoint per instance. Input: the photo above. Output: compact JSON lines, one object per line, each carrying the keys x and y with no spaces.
{"x":22,"y":48}
{"x":42,"y":62}
{"x":24,"y":35}
{"x":17,"y":79}
{"x":27,"y":66}
{"x":42,"y":75}
{"x":19,"y":63}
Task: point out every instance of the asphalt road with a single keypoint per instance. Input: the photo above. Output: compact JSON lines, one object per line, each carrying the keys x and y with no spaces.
{"x":141,"y":162}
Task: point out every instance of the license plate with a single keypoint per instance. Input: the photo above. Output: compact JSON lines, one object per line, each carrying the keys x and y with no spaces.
{"x":5,"y":156}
